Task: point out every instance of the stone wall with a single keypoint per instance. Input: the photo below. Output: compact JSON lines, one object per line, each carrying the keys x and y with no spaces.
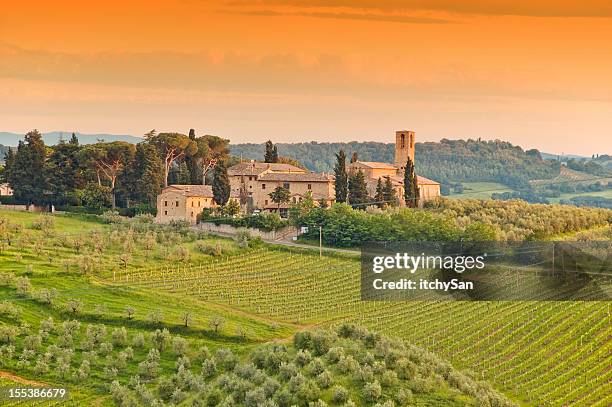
{"x":231,"y":230}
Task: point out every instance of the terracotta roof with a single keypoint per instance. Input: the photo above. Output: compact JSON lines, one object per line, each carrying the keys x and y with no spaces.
{"x":256,"y":168}
{"x":293,"y":177}
{"x":397,"y":180}
{"x":425,"y":181}
{"x":375,"y":164}
{"x":195,"y":190}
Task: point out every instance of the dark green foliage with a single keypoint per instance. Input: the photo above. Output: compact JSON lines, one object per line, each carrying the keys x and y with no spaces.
{"x":271,"y":155}
{"x":25,"y":171}
{"x":191,"y":162}
{"x":172,"y":147}
{"x":146,"y":174}
{"x":341,"y":177}
{"x":221,"y":185}
{"x":280,"y":195}
{"x":389,"y":194}
{"x":448,"y":161}
{"x":357,"y":190}
{"x":594,"y":201}
{"x":411,"y":189}
{"x":63,"y":170}
{"x":379,"y":197}
{"x":96,"y":196}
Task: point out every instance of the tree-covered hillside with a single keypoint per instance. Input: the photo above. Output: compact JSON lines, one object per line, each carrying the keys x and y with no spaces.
{"x":449,"y":161}
{"x":3,"y":150}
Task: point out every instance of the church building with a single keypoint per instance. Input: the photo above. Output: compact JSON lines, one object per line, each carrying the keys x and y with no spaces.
{"x":404,"y":148}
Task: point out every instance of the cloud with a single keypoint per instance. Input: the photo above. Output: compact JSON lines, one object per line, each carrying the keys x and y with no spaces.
{"x":540,"y":8}
{"x":388,"y":18}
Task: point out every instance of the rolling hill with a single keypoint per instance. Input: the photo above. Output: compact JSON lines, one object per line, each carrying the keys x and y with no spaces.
{"x":51,"y":138}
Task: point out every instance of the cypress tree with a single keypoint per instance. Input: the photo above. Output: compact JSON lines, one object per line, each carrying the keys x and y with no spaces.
{"x":146,"y":175}
{"x":195,"y":173}
{"x":389,"y":194}
{"x":271,"y":155}
{"x":380,"y":195}
{"x":411,"y":189}
{"x":221,"y":185}
{"x":358,"y":190}
{"x":354,"y":157}
{"x":341,"y":177}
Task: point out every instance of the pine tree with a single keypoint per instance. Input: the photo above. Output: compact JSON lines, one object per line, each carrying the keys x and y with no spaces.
{"x":357,"y":190}
{"x":74,"y":140}
{"x":63,"y":171}
{"x":389,"y":194}
{"x":341,"y":177}
{"x":411,"y":189}
{"x":26,"y":170}
{"x":221,"y":185}
{"x":380,"y":195}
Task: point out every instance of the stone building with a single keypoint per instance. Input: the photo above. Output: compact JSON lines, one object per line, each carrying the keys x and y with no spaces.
{"x":184,"y":202}
{"x":5,"y":190}
{"x":404,"y":148}
{"x":254,"y":181}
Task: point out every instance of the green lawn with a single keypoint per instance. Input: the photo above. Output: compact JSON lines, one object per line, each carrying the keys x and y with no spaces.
{"x":480,"y":190}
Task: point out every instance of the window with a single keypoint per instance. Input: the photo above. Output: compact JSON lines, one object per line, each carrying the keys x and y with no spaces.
{"x":309,"y":186}
{"x":294,"y":200}
{"x":266,"y":202}
{"x":263,"y":186}
{"x":199,"y":203}
{"x":177,"y":205}
{"x":192,"y":204}
{"x":286,"y":185}
{"x":165,"y":203}
{"x":250,"y":178}
{"x":165,"y":212}
{"x":411,"y":141}
{"x":402,"y":141}
{"x":192,"y":214}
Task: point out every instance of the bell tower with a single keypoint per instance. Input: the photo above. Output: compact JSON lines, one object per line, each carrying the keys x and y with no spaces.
{"x":404,"y":148}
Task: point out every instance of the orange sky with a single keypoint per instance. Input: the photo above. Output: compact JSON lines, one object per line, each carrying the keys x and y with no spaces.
{"x":538,"y":74}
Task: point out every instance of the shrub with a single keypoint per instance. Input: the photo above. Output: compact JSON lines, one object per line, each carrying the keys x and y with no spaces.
{"x":9,"y":310}
{"x":372,"y":391}
{"x":324,"y":379}
{"x":339,"y":394}
{"x":138,"y":341}
{"x":23,"y":286}
{"x":212,"y":249}
{"x":119,"y":336}
{"x":179,"y":345}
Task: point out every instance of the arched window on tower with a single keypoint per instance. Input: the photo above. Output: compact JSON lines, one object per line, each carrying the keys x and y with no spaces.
{"x":411,"y":140}
{"x":402,"y":141}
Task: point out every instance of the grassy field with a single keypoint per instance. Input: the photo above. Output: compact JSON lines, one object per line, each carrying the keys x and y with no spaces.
{"x":537,"y":353}
{"x":480,"y":190}
{"x":604,"y":194}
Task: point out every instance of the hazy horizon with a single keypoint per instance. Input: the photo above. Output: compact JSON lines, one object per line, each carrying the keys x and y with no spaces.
{"x":534,"y":74}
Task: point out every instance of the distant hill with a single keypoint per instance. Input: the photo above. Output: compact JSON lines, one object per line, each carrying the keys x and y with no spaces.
{"x":3,"y":150}
{"x":448,"y":162}
{"x":51,"y":138}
